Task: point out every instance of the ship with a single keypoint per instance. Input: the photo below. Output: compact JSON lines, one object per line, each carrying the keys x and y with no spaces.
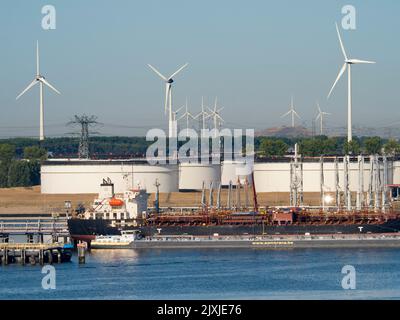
{"x":111,"y":215}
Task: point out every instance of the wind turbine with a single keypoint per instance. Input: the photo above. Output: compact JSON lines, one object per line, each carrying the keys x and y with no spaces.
{"x":347,"y":64}
{"x":215,"y":114}
{"x":186,"y":115}
{"x":291,"y":112}
{"x":320,"y":116}
{"x":174,"y":120}
{"x":203,"y":114}
{"x":168,"y":98}
{"x":41,"y":81}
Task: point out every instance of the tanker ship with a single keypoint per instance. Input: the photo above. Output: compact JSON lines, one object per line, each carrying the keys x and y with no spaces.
{"x":111,"y":214}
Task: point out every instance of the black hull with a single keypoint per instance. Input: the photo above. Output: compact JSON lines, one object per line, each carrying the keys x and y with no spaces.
{"x":78,"y":227}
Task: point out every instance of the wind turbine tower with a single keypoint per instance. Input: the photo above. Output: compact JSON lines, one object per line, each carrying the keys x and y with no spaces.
{"x":292,"y":113}
{"x":347,"y":65}
{"x":203,"y":116}
{"x":187,"y":115}
{"x":215,"y":114}
{"x":172,"y":124}
{"x":320,"y":117}
{"x":39,"y":79}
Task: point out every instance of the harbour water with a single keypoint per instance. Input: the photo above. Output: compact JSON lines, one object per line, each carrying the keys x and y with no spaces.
{"x":212,"y":274}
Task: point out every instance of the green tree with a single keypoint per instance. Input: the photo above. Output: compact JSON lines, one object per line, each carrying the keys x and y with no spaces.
{"x":373,"y":145}
{"x":352,"y":147}
{"x":392,"y":147}
{"x":4,"y":174}
{"x":272,"y":147}
{"x":19,"y":174}
{"x":35,"y":153}
{"x":7,"y":153}
{"x":312,"y":147}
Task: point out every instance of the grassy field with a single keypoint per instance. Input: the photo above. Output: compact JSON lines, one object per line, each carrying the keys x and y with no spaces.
{"x":30,"y":200}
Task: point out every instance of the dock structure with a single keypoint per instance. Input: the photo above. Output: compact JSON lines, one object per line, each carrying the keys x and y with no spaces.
{"x":35,"y":229}
{"x":33,"y":253}
{"x":33,"y":225}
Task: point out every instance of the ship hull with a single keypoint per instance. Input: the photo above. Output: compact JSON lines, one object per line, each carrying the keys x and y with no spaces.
{"x":85,"y":229}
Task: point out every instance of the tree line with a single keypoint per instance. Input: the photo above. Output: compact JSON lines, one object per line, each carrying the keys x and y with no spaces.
{"x":20,"y":172}
{"x":323,"y":145}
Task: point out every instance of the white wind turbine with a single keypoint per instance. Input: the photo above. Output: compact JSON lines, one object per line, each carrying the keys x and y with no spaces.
{"x":203,"y":115}
{"x":320,"y":117}
{"x":174,"y":119}
{"x":186,"y":115}
{"x":41,"y":81}
{"x":172,"y":126}
{"x":215,"y":114}
{"x":347,"y":64}
{"x":291,"y":112}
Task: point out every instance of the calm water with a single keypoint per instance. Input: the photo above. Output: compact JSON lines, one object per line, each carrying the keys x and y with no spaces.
{"x":212,"y":274}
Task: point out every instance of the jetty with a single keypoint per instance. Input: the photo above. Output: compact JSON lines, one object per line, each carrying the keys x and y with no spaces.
{"x":33,"y":253}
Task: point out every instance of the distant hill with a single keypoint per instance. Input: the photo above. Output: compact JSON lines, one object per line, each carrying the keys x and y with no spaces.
{"x":284,"y":131}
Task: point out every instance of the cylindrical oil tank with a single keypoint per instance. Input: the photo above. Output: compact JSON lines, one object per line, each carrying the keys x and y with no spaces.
{"x":192,"y":175}
{"x":231,"y":171}
{"x":85,"y":176}
{"x":275,"y":176}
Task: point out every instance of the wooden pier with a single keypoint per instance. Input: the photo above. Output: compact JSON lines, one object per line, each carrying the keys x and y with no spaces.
{"x":33,"y":253}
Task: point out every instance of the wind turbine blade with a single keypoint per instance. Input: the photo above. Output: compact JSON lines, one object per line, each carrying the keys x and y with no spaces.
{"x":318,"y":116}
{"x":358,"y":61}
{"x":181,"y":117}
{"x":319,"y":108}
{"x":37,"y":58}
{"x":337,"y":79}
{"x":215,"y":104}
{"x":296,"y":114}
{"x":341,"y":42}
{"x":166,"y":97}
{"x":26,"y":89}
{"x":286,"y":114}
{"x":177,"y":71}
{"x":157,"y":72}
{"x":49,"y":85}
{"x":197,"y":115}
{"x":177,"y":111}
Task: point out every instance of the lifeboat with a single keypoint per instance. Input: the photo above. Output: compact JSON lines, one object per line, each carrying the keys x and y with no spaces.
{"x":114,"y":202}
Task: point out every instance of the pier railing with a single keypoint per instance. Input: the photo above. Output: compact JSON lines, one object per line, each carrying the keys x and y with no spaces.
{"x":35,"y":226}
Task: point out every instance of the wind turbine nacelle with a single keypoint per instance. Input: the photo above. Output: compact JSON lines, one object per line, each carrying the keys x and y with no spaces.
{"x":170,"y":81}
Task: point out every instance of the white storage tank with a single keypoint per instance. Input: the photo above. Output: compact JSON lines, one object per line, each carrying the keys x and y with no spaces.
{"x":275,"y":176}
{"x":232,"y":171}
{"x":85,"y":176}
{"x":192,"y":175}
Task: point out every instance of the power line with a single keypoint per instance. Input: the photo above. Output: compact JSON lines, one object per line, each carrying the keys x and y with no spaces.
{"x":85,"y":122}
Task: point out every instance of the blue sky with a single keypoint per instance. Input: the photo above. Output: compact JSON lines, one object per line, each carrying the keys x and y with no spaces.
{"x":253,"y":55}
